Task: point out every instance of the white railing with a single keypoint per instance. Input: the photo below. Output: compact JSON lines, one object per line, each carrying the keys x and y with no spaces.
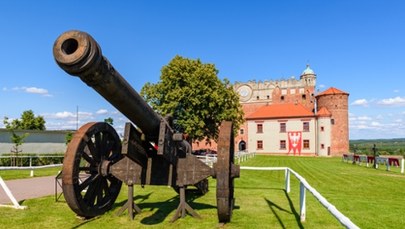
{"x":10,"y":195}
{"x":30,"y":167}
{"x":208,"y":159}
{"x":240,"y":156}
{"x":304,"y":185}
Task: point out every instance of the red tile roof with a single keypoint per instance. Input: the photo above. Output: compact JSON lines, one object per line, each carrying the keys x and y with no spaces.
{"x":332,"y":91}
{"x":323,"y":112}
{"x":281,"y":111}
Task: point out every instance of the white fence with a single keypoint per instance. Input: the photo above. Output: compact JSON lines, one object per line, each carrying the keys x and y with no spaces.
{"x":304,"y":185}
{"x":30,"y":167}
{"x":240,"y":156}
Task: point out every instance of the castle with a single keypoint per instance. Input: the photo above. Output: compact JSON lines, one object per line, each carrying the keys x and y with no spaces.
{"x":287,"y":117}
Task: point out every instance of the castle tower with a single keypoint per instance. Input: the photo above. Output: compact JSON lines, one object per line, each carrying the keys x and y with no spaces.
{"x":308,"y":77}
{"x":336,"y":102}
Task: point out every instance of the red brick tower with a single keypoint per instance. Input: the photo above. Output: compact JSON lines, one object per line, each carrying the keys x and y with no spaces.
{"x":336,"y":102}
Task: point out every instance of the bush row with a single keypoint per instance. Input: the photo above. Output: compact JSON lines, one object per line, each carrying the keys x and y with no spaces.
{"x":36,"y":159}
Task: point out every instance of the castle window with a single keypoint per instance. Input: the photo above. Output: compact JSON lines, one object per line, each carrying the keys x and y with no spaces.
{"x":259,"y":144}
{"x":332,"y":121}
{"x":268,"y":96}
{"x":322,"y":146}
{"x":282,"y":98}
{"x":257,"y":97}
{"x":260,"y":128}
{"x":283,"y":127}
{"x":306,"y":144}
{"x":283,"y":144}
{"x":242,"y":131}
{"x":305,"y":127}
{"x":322,"y":129}
{"x":304,"y":97}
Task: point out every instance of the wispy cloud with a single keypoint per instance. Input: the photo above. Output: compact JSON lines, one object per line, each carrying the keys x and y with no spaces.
{"x":396,"y":101}
{"x":30,"y":90}
{"x":69,"y":115}
{"x":360,"y":102}
{"x":102,"y":112}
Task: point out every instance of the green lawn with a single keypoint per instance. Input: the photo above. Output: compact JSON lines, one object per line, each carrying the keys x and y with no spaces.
{"x":370,"y":198}
{"x":21,"y":174}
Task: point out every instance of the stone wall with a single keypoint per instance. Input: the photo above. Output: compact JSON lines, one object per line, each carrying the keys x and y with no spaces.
{"x":35,"y":142}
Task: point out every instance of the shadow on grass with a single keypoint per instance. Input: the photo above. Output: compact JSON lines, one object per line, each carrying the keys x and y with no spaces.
{"x":165,"y":208}
{"x":274,"y":208}
{"x":296,"y":214}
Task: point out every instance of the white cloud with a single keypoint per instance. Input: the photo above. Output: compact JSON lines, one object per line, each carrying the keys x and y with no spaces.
{"x":69,"y":115}
{"x":360,"y":102}
{"x":30,"y":90}
{"x":60,"y":115}
{"x":397,"y":101}
{"x":376,"y":124}
{"x":321,"y":86}
{"x":101,"y":112}
{"x":35,"y":90}
{"x":364,"y":118}
{"x":396,"y":91}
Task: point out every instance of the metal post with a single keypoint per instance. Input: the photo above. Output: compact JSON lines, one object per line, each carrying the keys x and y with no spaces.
{"x":32,"y":170}
{"x":402,"y":165}
{"x":302,"y":202}
{"x":375,"y":157}
{"x":287,"y":180}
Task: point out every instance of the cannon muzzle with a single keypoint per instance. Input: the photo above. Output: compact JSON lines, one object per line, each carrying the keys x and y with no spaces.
{"x":78,"y":54}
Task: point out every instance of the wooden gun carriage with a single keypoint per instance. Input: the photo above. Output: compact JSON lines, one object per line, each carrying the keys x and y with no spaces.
{"x":97,"y":161}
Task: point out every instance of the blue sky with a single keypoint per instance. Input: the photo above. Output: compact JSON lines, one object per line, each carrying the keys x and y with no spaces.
{"x":356,"y":46}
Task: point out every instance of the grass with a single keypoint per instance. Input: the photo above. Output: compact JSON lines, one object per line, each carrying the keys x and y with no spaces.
{"x":370,"y":198}
{"x":22,"y":174}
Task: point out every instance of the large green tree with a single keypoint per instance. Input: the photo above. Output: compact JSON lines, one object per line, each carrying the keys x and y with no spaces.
{"x":28,"y":121}
{"x":198,"y":100}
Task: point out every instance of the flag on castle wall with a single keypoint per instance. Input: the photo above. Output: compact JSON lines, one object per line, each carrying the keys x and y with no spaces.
{"x":294,"y":142}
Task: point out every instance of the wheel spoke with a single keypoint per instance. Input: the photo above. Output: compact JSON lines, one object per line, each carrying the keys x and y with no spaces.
{"x":91,"y":193}
{"x":101,"y":142}
{"x":88,"y":182}
{"x":94,"y":149}
{"x":86,"y":156}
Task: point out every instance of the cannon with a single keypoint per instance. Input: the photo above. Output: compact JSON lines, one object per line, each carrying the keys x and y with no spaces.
{"x":97,"y":161}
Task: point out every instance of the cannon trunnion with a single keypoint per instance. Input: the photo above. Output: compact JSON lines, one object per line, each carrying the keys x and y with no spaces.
{"x":97,"y":161}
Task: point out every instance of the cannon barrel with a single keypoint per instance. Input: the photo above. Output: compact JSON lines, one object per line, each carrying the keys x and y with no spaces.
{"x":78,"y":54}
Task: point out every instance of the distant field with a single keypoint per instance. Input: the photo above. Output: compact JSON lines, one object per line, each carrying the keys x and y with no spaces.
{"x":370,"y":198}
{"x":384,"y":146}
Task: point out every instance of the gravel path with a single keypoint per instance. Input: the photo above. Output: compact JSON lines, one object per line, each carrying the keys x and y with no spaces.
{"x":30,"y":188}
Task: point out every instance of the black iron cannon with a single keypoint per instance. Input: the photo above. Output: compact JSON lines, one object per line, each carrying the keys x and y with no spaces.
{"x":97,"y":161}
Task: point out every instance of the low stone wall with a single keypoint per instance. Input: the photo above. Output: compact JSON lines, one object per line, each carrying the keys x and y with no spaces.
{"x":35,"y":142}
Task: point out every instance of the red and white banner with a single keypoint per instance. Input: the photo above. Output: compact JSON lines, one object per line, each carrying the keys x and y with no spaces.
{"x":294,"y":142}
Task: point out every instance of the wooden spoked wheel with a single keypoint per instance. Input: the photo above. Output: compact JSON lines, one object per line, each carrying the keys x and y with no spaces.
{"x":87,"y":186}
{"x":225,"y":172}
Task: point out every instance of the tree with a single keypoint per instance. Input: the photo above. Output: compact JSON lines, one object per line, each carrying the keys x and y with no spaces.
{"x":109,"y":120}
{"x":28,"y":121}
{"x":198,"y":100}
{"x":68,"y":137}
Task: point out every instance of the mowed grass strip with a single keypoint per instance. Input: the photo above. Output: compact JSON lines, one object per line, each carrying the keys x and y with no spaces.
{"x":370,"y":198}
{"x":22,"y":174}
